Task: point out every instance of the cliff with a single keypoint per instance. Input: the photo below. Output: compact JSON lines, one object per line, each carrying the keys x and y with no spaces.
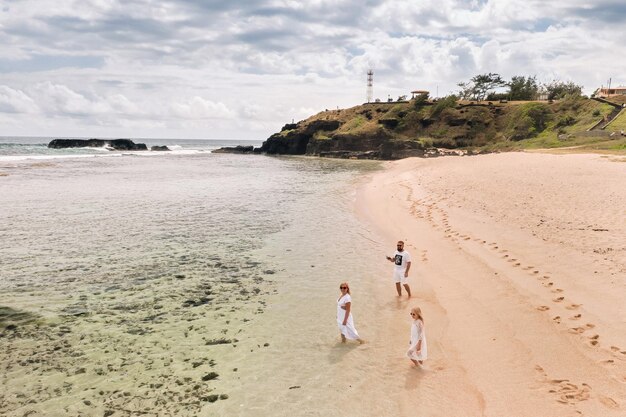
{"x":421,"y":128}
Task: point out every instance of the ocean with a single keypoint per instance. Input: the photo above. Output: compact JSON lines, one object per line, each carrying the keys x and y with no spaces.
{"x":176,"y":283}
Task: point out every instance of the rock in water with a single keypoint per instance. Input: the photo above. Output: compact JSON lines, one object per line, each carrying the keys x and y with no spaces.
{"x":117,"y":144}
{"x":160,"y":148}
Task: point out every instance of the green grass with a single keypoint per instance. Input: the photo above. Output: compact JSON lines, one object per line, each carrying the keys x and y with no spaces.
{"x":619,"y":123}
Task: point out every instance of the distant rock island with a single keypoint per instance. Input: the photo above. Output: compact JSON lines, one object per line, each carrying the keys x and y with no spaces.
{"x":114,"y":144}
{"x":425,"y":128}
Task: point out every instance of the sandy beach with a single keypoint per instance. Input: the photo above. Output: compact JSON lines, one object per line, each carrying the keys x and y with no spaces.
{"x":519,"y":265}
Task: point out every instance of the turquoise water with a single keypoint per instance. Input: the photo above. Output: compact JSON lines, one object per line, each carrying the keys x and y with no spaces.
{"x":125,"y":282}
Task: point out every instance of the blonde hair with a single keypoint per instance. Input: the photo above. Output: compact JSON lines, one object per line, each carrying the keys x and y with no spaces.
{"x":418,"y":313}
{"x":345,"y":284}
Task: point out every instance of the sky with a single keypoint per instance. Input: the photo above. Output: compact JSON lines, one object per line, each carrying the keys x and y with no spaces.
{"x":219,"y":69}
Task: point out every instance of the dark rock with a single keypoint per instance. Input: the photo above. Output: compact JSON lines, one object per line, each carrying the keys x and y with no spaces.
{"x":221,"y":341}
{"x":289,"y":126}
{"x":159,"y":148}
{"x":117,"y":144}
{"x":195,"y":303}
{"x":235,"y":149}
{"x":456,"y":122}
{"x":211,"y":398}
{"x":210,"y":376}
{"x":389,"y":123}
{"x":224,"y":397}
{"x":108,"y":413}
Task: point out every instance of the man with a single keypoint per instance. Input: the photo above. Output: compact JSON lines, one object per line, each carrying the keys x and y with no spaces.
{"x":402,"y":261}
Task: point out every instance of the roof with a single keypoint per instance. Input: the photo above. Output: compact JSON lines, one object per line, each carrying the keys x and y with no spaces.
{"x":420,"y":92}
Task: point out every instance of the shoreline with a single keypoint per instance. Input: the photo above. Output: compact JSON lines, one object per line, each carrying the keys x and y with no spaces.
{"x":517,"y":259}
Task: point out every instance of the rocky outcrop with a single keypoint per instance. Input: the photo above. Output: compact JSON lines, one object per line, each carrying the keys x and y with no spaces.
{"x":235,"y":149}
{"x":159,"y":148}
{"x":115,"y":144}
{"x":294,"y":139}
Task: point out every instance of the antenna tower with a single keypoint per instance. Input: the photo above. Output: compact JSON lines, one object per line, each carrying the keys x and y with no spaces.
{"x":370,"y":85}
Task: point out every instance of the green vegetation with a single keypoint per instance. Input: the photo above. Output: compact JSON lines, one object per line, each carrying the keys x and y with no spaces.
{"x":448,"y":102}
{"x":528,"y":120}
{"x":619,"y":123}
{"x":449,"y":123}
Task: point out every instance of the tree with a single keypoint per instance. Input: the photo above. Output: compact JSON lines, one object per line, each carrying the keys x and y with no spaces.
{"x":523,"y":88}
{"x":559,"y":89}
{"x":480,"y":85}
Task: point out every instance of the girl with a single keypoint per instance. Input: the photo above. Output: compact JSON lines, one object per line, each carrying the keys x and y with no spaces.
{"x":417,"y":346}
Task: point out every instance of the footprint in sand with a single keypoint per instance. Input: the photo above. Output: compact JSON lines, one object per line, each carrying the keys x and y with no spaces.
{"x":569,"y":393}
{"x":577,"y":330}
{"x":576,"y":317}
{"x":516,"y":264}
{"x":505,"y":256}
{"x":548,"y":284}
{"x":609,"y":402}
{"x":614,"y":348}
{"x":590,"y":325}
{"x":573,"y":306}
{"x":545,"y":277}
{"x":558,"y":299}
{"x":557,"y":290}
{"x":543,"y":308}
{"x":557,"y":319}
{"x":535,"y":272}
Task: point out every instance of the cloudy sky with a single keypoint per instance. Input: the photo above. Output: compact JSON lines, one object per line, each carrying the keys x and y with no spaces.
{"x":240,"y":69}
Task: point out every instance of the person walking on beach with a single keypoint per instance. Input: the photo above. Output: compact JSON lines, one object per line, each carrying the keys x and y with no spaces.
{"x":402,"y":261}
{"x":418,"y":352}
{"x":344,"y":315}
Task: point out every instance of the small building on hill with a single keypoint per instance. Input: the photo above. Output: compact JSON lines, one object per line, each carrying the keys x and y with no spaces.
{"x":610,"y":92}
{"x":419,"y":93}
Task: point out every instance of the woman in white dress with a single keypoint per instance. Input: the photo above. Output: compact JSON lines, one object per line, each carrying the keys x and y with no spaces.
{"x":344,"y":316}
{"x":418,"y":351}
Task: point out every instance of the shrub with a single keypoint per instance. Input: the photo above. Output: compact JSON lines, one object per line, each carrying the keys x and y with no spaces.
{"x":528,"y":120}
{"x":444,"y":103}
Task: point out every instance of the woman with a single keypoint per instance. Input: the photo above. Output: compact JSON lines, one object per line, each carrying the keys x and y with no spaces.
{"x":344,"y":317}
{"x":418,"y":351}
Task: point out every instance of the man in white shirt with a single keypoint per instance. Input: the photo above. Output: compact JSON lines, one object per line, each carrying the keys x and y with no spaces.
{"x":402,"y":264}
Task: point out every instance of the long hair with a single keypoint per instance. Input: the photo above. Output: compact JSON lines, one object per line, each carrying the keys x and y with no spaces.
{"x":418,"y":313}
{"x":345,"y":284}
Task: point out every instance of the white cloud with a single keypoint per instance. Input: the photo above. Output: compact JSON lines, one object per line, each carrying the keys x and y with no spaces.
{"x":16,"y":101}
{"x":199,"y":108}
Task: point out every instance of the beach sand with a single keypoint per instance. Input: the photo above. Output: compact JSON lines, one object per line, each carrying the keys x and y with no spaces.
{"x":519,"y":266}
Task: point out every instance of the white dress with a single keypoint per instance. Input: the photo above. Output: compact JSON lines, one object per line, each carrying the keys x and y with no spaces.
{"x":348,"y":330}
{"x":417,"y":333}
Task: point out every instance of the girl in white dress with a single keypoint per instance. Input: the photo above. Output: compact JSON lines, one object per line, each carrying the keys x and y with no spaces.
{"x":344,"y":316}
{"x":418,"y":351}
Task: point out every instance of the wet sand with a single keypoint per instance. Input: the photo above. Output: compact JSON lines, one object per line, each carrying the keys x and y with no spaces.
{"x":519,"y":265}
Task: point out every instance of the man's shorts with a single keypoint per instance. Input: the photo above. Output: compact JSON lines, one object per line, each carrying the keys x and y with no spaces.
{"x":398,"y":276}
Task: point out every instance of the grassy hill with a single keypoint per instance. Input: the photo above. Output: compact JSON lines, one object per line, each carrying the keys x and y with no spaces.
{"x":411,"y":128}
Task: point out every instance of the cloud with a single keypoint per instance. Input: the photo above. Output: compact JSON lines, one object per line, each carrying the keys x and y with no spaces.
{"x":209,"y":67}
{"x":16,"y":101}
{"x":199,"y":108}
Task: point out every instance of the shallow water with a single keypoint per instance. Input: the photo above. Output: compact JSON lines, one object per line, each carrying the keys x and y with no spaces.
{"x":151,"y":285}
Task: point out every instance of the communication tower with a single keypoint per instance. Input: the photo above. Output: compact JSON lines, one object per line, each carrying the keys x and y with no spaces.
{"x":370,"y":85}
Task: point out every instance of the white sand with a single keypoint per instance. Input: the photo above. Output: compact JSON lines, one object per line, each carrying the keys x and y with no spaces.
{"x":519,"y":265}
